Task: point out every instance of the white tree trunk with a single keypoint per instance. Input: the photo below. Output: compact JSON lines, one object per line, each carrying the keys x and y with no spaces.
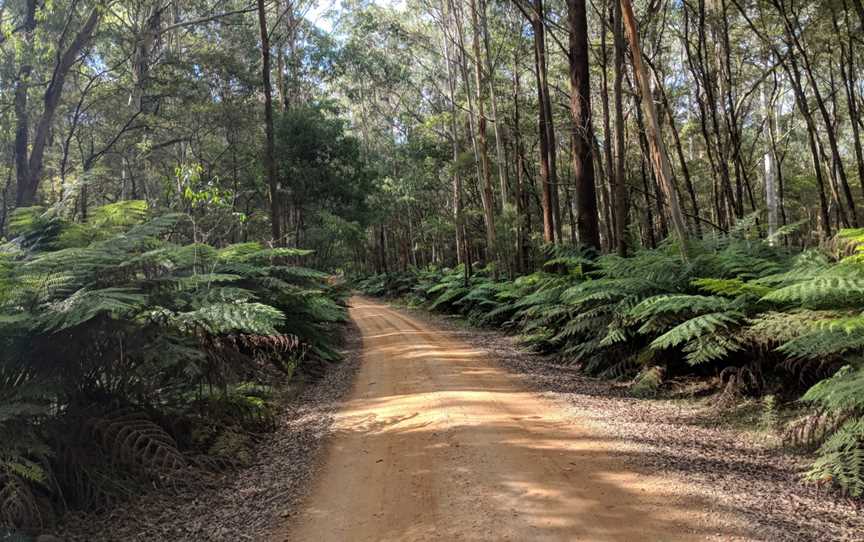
{"x":769,"y":166}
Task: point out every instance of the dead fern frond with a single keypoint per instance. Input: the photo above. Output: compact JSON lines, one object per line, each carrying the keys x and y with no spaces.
{"x":811,"y":430}
{"x":735,"y":382}
{"x":19,"y":504}
{"x":134,"y":441}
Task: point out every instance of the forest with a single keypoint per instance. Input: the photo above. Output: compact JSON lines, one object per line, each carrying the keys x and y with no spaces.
{"x":193,"y":193}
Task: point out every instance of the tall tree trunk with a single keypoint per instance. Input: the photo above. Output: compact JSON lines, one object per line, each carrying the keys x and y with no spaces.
{"x":500,"y":149}
{"x":723,"y":61}
{"x":568,"y":206}
{"x":466,"y":81}
{"x":382,"y":248}
{"x":462,"y":255}
{"x":607,"y":129}
{"x":4,"y":207}
{"x":486,"y":182}
{"x":790,"y":66}
{"x":705,"y":95}
{"x":620,"y":190}
{"x":280,"y":75}
{"x":604,"y":198}
{"x":850,"y":77}
{"x":522,"y":214}
{"x":290,"y":93}
{"x":22,"y":116}
{"x":778,"y":160}
{"x":547,"y":151}
{"x":769,"y":164}
{"x":269,"y":158}
{"x":658,"y":151}
{"x":648,"y":238}
{"x":587,"y":225}
{"x":679,"y":150}
{"x":146,"y":44}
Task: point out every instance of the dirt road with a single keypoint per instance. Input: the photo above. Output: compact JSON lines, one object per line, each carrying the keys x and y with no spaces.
{"x":437,"y":443}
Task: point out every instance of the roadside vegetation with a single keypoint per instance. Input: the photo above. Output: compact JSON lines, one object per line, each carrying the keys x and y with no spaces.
{"x":756,"y":319}
{"x":132,"y":357}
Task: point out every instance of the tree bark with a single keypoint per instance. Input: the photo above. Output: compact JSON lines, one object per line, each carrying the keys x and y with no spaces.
{"x":22,"y":116}
{"x":466,"y":80}
{"x":607,"y":130}
{"x":462,"y":255}
{"x":679,"y":150}
{"x":500,"y":150}
{"x":791,"y":68}
{"x":547,"y":171}
{"x":587,"y":224}
{"x":660,"y":159}
{"x":486,"y":182}
{"x":269,"y":158}
{"x":769,"y":164}
{"x":519,"y":191}
{"x":620,"y":190}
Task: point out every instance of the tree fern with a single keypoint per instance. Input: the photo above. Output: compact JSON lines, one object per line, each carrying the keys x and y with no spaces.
{"x":119,"y":311}
{"x":221,"y":318}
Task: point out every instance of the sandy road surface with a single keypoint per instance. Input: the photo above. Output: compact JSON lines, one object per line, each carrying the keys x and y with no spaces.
{"x":437,"y":443}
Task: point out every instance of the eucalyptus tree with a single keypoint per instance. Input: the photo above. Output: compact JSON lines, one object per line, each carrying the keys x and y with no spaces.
{"x":583,"y":131}
{"x":74,"y":35}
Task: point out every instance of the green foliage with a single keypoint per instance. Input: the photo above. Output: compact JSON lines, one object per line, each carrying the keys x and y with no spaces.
{"x":330,"y":184}
{"x":841,"y":458}
{"x":841,"y":455}
{"x":841,"y":392}
{"x":114,"y":330}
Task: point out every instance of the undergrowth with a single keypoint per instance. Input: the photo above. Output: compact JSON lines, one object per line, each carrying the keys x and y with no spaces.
{"x":759,"y":320}
{"x":131,"y":356}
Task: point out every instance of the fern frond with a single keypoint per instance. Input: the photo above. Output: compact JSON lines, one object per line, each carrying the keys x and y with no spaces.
{"x":731,"y":287}
{"x":822,"y":291}
{"x":134,"y":441}
{"x":243,"y":317}
{"x":697,"y":327}
{"x":841,"y":459}
{"x":84,"y":305}
{"x":841,"y":392}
